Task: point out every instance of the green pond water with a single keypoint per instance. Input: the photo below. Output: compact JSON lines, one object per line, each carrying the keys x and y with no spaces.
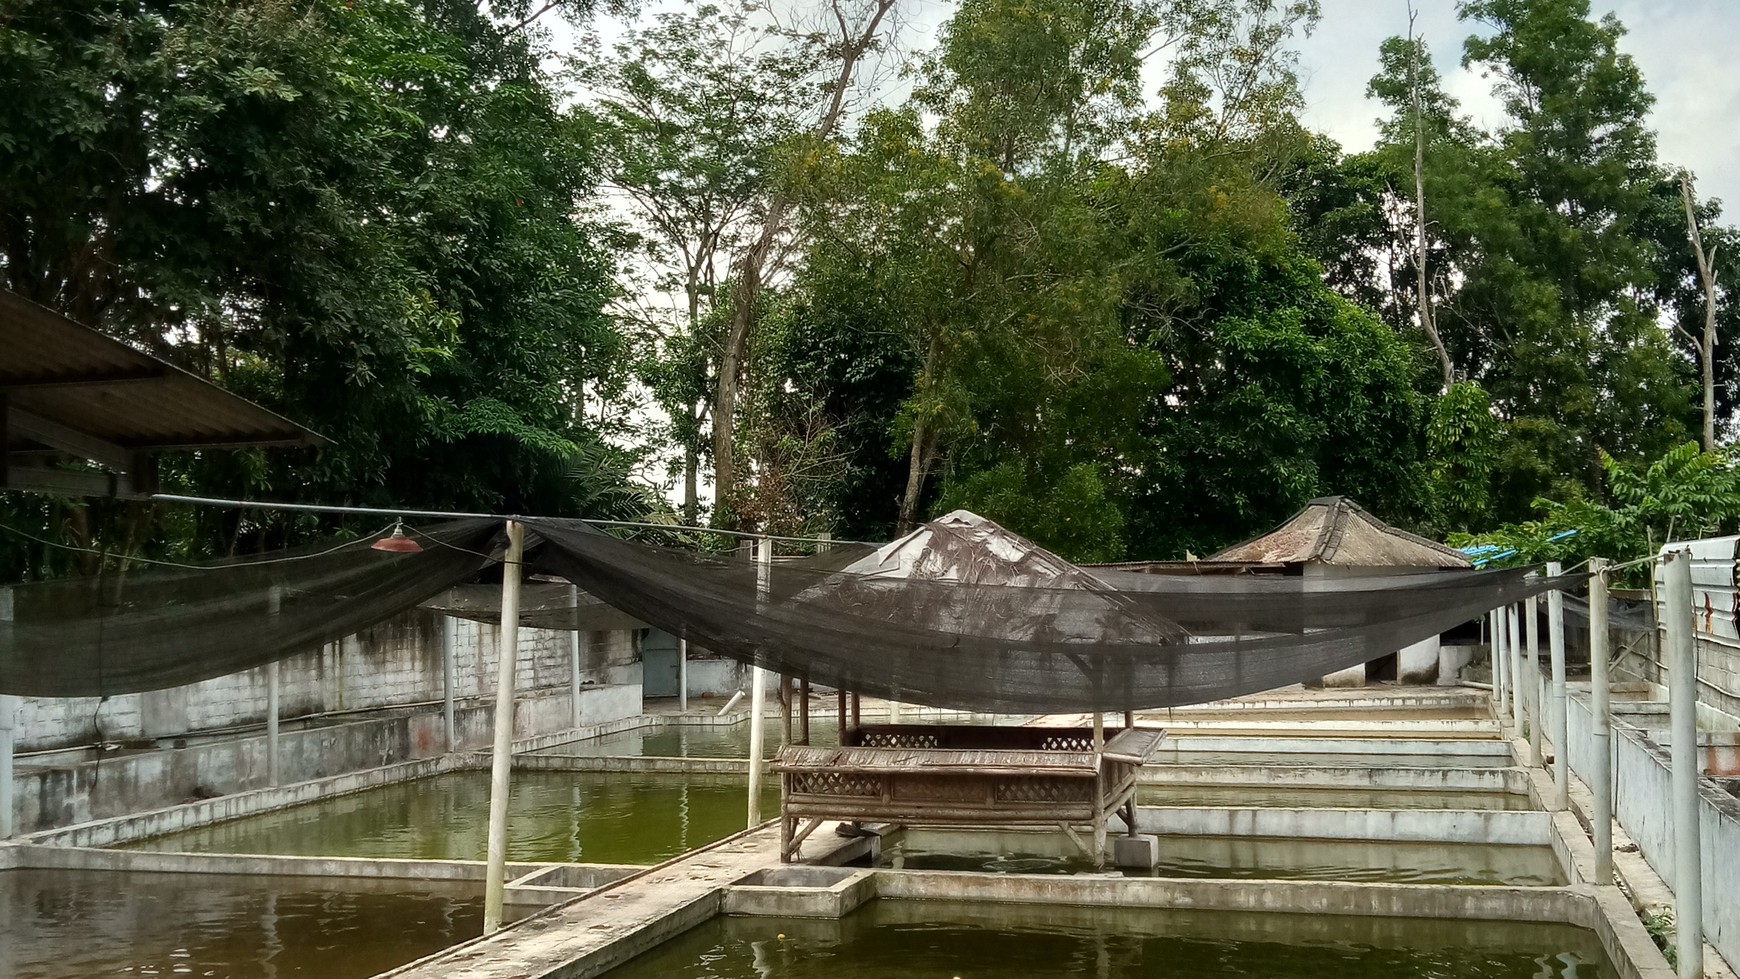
{"x":81,"y":924}
{"x":915,"y":940}
{"x":1248,"y":858}
{"x":566,"y":817}
{"x":1310,"y":797}
{"x":689,"y":741}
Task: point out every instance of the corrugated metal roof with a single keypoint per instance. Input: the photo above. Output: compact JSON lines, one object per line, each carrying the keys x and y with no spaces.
{"x":1336,"y":531}
{"x":70,"y":375}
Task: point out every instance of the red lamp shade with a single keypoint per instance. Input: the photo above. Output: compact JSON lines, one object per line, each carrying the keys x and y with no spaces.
{"x":398,"y":543}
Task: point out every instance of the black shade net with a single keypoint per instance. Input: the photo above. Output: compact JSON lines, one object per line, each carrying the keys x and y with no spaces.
{"x":1034,"y":638}
{"x":146,"y":628}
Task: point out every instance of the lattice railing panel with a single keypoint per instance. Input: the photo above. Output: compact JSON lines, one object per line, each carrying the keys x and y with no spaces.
{"x":836,"y":783}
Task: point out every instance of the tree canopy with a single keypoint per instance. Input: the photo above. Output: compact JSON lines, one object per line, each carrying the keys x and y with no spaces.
{"x":1084,"y":271}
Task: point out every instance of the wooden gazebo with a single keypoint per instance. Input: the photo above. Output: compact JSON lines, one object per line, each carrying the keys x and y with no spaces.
{"x":964,"y":775}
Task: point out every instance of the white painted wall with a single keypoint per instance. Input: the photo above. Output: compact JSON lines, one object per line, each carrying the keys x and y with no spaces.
{"x":1642,"y":785}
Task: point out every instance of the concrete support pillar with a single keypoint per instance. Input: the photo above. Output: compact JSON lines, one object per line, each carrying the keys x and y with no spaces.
{"x":274,"y":760}
{"x":1678,"y":619}
{"x":682,"y":674}
{"x":501,"y":761}
{"x":1532,"y":682}
{"x":449,"y":648}
{"x":1513,"y":644}
{"x":758,"y":685}
{"x":1560,"y":723}
{"x":1099,"y":788}
{"x":1600,"y":772}
{"x":574,"y":660}
{"x":9,"y":706}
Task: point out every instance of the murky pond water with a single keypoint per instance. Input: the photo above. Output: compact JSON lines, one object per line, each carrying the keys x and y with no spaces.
{"x":568,"y":817}
{"x":689,"y":741}
{"x":1313,"y":797}
{"x":82,"y":924}
{"x":1250,"y":858}
{"x":904,"y":940}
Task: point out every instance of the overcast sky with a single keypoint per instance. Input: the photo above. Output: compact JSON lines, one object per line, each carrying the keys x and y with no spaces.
{"x":1683,"y":48}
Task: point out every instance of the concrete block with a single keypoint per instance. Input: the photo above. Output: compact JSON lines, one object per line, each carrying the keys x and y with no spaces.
{"x":1138,"y":852}
{"x":1353,"y":676}
{"x":1418,"y":663}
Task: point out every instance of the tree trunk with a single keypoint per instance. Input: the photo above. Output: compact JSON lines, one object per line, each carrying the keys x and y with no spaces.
{"x":1707,"y":343}
{"x":1423,"y":294}
{"x":854,"y":42}
{"x":691,"y":478}
{"x":923,"y":448}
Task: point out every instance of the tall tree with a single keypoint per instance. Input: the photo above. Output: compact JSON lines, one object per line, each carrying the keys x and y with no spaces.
{"x":1706,"y":341}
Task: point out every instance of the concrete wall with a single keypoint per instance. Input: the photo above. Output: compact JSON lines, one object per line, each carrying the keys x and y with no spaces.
{"x":722,"y":678}
{"x":1642,"y":783}
{"x":394,"y":664}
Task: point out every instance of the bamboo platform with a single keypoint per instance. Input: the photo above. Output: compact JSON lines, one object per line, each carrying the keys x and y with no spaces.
{"x":964,"y":775}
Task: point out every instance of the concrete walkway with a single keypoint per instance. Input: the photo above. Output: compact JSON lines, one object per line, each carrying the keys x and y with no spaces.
{"x":613,"y":923}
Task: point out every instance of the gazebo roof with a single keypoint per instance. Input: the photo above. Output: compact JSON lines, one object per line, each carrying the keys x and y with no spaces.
{"x":1335,"y":531}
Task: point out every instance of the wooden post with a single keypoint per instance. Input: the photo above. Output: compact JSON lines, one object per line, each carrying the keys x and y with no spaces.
{"x":804,"y":697}
{"x":785,"y":708}
{"x":758,"y":685}
{"x":840,"y":733}
{"x":1600,"y":773}
{"x":857,"y":711}
{"x":1679,"y":618}
{"x":501,"y":762}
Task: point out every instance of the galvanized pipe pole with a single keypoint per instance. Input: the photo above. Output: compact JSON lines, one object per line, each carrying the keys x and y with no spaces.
{"x":1532,"y":683}
{"x":1678,"y":618}
{"x":1560,"y":721}
{"x":574,"y":659}
{"x":758,"y":684}
{"x":501,"y":762}
{"x":1600,"y":771}
{"x":449,"y":642}
{"x":8,"y":723}
{"x":682,"y":674}
{"x":1496,"y":622}
{"x":274,"y":766}
{"x":1513,"y":643}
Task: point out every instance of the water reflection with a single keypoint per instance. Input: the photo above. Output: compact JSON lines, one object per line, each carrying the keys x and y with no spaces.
{"x":61,"y":924}
{"x":567,"y":817}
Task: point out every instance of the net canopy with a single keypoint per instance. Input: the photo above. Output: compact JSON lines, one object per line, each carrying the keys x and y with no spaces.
{"x":963,"y":614}
{"x":146,"y":628}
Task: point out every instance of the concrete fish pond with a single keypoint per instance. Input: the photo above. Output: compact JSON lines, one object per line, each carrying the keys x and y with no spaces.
{"x":902,"y":939}
{"x":565,"y":817}
{"x":1236,"y":858}
{"x":87,"y":923}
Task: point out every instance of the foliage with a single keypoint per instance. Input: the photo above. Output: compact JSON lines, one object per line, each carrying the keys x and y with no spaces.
{"x":360,"y":213}
{"x":1684,"y":495}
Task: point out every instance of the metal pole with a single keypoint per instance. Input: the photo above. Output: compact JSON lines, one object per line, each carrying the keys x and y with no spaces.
{"x":501,"y":763}
{"x":758,"y":684}
{"x":1532,"y":683}
{"x":574,"y":659}
{"x":449,"y":644}
{"x":8,"y":722}
{"x":274,"y":767}
{"x":1496,"y":621}
{"x":683,"y":675}
{"x":1678,"y":617}
{"x":1600,"y":772}
{"x":1513,"y":644}
{"x":1561,"y":722}
{"x":1099,"y":787}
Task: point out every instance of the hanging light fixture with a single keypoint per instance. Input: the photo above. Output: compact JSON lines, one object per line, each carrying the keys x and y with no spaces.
{"x":397,"y":542}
